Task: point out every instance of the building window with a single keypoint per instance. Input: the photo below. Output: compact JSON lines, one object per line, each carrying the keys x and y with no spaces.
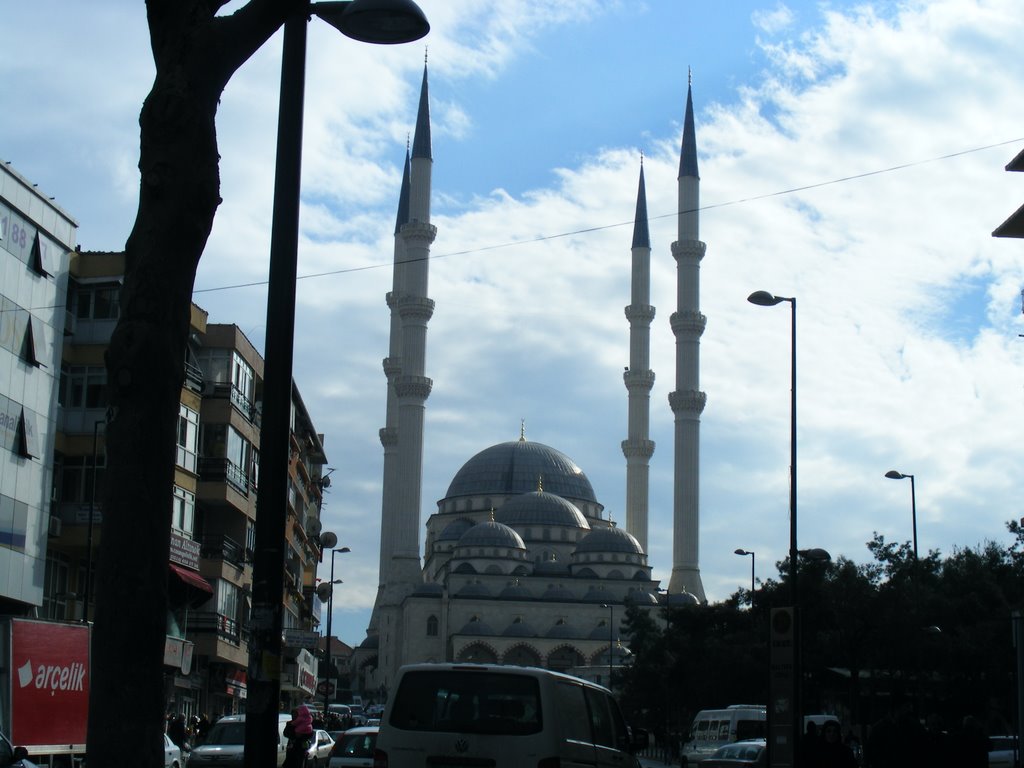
{"x":76,"y":479}
{"x":81,"y":386}
{"x":432,"y":626}
{"x":183,"y":512}
{"x":56,"y":602}
{"x":188,"y":438}
{"x":97,"y":302}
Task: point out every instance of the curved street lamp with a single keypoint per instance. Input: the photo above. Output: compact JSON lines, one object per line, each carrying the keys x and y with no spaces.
{"x":753,"y":557}
{"x":328,"y":540}
{"x":765,"y":299}
{"x":375,"y":21}
{"x":892,"y":474}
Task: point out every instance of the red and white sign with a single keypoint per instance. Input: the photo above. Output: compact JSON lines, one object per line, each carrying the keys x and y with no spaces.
{"x":49,"y":683}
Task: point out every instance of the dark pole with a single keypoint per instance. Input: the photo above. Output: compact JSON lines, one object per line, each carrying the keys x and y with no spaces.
{"x":744,"y":553}
{"x":798,"y":673}
{"x":611,"y":644}
{"x":765,"y":299}
{"x":92,"y":515}
{"x":264,"y":676}
{"x":913,"y":513}
{"x":327,"y":647}
{"x":894,"y":474}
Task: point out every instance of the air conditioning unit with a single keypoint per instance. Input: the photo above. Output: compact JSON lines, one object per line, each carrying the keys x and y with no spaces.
{"x":55,"y":526}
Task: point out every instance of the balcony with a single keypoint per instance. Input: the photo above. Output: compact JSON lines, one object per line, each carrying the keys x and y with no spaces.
{"x":211,"y":469}
{"x":224,"y":548}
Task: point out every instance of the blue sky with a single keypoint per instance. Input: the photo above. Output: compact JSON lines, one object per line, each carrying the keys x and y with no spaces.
{"x":909,"y":311}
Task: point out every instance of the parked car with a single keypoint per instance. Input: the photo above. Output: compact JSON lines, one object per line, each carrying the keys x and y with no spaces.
{"x":1002,"y":751}
{"x":172,"y":753}
{"x":354,"y":749}
{"x":319,"y":751}
{"x":752,"y":752}
{"x":13,"y":757}
{"x":224,"y":746}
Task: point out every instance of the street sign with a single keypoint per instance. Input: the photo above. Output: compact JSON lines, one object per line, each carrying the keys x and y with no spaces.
{"x":300,"y":638}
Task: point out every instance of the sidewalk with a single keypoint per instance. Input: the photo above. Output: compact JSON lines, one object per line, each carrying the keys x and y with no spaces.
{"x":653,"y":762}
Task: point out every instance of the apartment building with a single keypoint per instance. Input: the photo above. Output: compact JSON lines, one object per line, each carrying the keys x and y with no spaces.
{"x":214,"y":499}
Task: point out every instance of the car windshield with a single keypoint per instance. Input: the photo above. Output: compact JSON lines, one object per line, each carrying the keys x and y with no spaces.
{"x":467,"y":702}
{"x":226,"y":733}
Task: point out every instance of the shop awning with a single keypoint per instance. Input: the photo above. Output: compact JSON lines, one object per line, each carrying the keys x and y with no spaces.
{"x":191,"y":587}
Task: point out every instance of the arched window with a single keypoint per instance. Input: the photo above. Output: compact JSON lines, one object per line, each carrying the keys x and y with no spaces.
{"x":432,"y":626}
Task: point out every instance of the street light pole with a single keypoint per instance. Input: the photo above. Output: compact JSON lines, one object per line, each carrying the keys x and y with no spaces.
{"x":745,"y":552}
{"x":765,"y":299}
{"x":892,"y":474}
{"x":330,"y":613}
{"x":611,"y":640}
{"x":391,"y":21}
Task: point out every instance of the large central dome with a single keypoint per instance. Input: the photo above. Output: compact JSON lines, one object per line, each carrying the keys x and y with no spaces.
{"x":515,"y":467}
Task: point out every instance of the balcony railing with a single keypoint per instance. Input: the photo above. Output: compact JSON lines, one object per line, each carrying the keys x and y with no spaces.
{"x":210,"y":622}
{"x":224,"y":548}
{"x":224,"y":469}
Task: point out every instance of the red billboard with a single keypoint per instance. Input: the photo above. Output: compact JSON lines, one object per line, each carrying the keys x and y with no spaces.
{"x":49,"y":683}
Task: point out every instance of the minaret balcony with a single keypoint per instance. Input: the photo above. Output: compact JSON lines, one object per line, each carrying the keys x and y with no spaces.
{"x":640,"y":312}
{"x":688,"y":322}
{"x":688,"y":250}
{"x":638,"y":379}
{"x":687,"y":401}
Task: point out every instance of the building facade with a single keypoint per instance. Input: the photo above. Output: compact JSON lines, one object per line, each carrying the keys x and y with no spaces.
{"x":36,"y":239}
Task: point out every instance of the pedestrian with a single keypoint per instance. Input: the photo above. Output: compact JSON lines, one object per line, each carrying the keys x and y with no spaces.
{"x":971,"y":744}
{"x":299,"y":732}
{"x":202,"y":728}
{"x":830,"y":751}
{"x":177,"y":731}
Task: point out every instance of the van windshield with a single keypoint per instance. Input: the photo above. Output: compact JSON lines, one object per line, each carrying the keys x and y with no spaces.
{"x":467,"y":702}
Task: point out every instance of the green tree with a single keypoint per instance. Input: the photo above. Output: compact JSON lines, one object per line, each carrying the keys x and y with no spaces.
{"x":195,"y":52}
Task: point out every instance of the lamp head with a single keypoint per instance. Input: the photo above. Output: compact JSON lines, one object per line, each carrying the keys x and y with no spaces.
{"x":386,"y":22}
{"x":764,"y":299}
{"x":743,"y":552}
{"x":892,"y":474}
{"x":816,"y":554}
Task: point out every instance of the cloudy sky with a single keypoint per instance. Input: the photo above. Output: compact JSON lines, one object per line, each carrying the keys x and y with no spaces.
{"x":851,"y":155}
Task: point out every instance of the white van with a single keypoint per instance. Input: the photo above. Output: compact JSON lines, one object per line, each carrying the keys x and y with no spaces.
{"x":224,"y":745}
{"x":713,"y":728}
{"x":502,"y":716}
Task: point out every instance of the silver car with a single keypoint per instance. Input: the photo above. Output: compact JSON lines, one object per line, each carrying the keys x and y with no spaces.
{"x":354,"y":748}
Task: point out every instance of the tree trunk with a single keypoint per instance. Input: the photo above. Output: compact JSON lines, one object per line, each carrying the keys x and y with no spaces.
{"x":195,"y":55}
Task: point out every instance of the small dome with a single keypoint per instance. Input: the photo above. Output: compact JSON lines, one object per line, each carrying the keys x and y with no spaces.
{"x":371,"y":641}
{"x":515,"y":592}
{"x":491,"y":534}
{"x":597,"y":595}
{"x":508,"y":469}
{"x":476,"y":627}
{"x":683,"y":599}
{"x":454,"y":530}
{"x":641,"y":597}
{"x":562,"y":630}
{"x":601,"y":632}
{"x":558,"y":593}
{"x":541,"y":508}
{"x":609,"y":540}
{"x":428,"y":589}
{"x":519,"y":628}
{"x":473,"y":589}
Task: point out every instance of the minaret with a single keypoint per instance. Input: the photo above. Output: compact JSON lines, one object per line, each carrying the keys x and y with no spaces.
{"x":392,"y":369}
{"x":411,"y":386}
{"x":687,"y":401}
{"x":408,"y":389}
{"x":639,"y":378}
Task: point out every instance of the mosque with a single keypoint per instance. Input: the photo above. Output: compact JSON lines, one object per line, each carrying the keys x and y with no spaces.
{"x":521,"y":565}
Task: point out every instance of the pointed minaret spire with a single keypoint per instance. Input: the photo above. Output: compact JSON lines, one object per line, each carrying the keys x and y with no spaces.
{"x":638,"y":377}
{"x":408,"y":390}
{"x":687,"y":401}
